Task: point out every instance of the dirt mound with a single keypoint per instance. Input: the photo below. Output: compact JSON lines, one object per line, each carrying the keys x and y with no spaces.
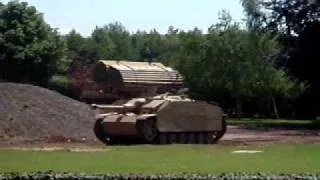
{"x":31,"y":113}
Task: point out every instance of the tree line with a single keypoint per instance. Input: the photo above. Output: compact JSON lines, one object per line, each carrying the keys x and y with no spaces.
{"x":265,"y":68}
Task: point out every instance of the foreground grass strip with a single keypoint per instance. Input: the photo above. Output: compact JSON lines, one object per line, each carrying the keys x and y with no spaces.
{"x":168,"y":159}
{"x":83,"y":176}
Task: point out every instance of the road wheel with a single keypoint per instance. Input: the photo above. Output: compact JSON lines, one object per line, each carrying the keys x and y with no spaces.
{"x":148,"y":129}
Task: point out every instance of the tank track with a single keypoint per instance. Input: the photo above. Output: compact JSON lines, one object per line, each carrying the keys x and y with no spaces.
{"x":188,"y":138}
{"x":162,"y":138}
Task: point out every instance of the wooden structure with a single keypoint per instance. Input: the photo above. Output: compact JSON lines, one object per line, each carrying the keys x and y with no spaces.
{"x":112,"y":80}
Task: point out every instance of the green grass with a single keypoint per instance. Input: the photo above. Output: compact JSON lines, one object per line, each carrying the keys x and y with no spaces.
{"x":276,"y":123}
{"x":60,"y":80}
{"x":168,"y":159}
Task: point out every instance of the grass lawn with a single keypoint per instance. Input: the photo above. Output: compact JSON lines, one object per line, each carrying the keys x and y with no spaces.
{"x":168,"y":159}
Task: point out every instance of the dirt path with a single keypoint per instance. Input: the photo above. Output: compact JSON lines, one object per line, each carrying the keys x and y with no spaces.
{"x":234,"y":136}
{"x":237,"y":135}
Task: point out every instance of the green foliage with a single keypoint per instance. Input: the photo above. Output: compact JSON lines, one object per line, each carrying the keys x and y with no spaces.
{"x":297,"y":23}
{"x":30,"y":49}
{"x":286,"y":17}
{"x":113,"y":41}
{"x":80,"y":50}
{"x":60,"y":81}
{"x":133,"y":176}
{"x":290,"y":17}
{"x":254,"y":15}
{"x":234,"y":61}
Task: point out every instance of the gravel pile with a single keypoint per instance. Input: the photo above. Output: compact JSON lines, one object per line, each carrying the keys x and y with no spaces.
{"x":31,"y":113}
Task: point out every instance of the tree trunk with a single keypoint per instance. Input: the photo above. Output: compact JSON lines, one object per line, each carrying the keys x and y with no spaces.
{"x":238,"y":107}
{"x":275,"y":109}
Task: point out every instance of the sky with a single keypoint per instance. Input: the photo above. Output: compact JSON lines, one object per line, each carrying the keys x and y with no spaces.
{"x":85,"y":15}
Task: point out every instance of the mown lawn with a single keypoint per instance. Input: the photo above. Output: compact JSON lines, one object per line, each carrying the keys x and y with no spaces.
{"x":168,"y":159}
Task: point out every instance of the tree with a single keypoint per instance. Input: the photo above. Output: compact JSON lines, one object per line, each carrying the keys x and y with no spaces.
{"x":285,"y":17}
{"x":103,"y":44}
{"x":230,"y":61}
{"x":296,"y":23}
{"x":30,"y":50}
{"x":112,"y":41}
{"x":271,"y":81}
{"x":80,"y":50}
{"x":291,"y":17}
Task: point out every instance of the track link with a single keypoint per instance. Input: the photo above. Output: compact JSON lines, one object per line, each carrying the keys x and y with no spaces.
{"x":187,"y":138}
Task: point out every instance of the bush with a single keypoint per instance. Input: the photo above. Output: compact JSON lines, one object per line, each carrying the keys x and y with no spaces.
{"x":82,"y":176}
{"x":61,"y":84}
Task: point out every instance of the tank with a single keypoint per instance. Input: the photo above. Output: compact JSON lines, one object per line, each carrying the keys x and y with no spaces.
{"x":162,"y":119}
{"x":146,"y":102}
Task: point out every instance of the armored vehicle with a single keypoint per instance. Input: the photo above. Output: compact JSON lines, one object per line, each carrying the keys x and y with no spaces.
{"x":145,"y":104}
{"x":160,"y":119}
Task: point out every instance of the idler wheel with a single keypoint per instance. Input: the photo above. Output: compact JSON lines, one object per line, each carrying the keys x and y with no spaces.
{"x":209,"y":138}
{"x":221,"y":133}
{"x":98,"y":131}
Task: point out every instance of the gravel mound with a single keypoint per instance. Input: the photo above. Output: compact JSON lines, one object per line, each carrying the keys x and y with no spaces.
{"x":33,"y":113}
